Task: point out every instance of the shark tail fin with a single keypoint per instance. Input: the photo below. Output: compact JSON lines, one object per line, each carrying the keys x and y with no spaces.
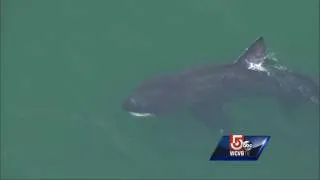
{"x":255,"y":54}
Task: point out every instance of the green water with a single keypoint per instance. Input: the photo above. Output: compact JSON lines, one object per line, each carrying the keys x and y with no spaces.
{"x":66,"y":65}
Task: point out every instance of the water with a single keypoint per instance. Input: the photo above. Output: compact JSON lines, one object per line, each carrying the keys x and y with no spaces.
{"x":67,"y":65}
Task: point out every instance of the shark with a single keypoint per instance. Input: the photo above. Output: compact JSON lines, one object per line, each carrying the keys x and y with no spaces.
{"x":203,"y":91}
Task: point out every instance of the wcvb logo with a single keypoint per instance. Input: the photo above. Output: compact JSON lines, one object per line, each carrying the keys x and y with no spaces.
{"x":239,"y":146}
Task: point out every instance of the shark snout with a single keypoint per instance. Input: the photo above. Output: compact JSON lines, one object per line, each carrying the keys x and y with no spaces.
{"x":135,"y":106}
{"x":131,"y":104}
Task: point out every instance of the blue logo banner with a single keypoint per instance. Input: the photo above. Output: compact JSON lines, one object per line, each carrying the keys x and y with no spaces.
{"x":239,"y":148}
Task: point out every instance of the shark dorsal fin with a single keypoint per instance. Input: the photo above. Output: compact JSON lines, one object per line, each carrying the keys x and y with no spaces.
{"x":255,"y":54}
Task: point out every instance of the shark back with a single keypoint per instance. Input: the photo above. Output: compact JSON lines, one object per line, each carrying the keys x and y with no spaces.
{"x":213,"y":85}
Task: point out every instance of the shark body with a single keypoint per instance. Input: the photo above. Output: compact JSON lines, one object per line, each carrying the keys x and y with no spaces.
{"x":204,"y":90}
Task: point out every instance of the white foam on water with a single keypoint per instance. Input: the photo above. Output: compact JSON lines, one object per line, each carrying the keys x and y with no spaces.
{"x":257,"y":67}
